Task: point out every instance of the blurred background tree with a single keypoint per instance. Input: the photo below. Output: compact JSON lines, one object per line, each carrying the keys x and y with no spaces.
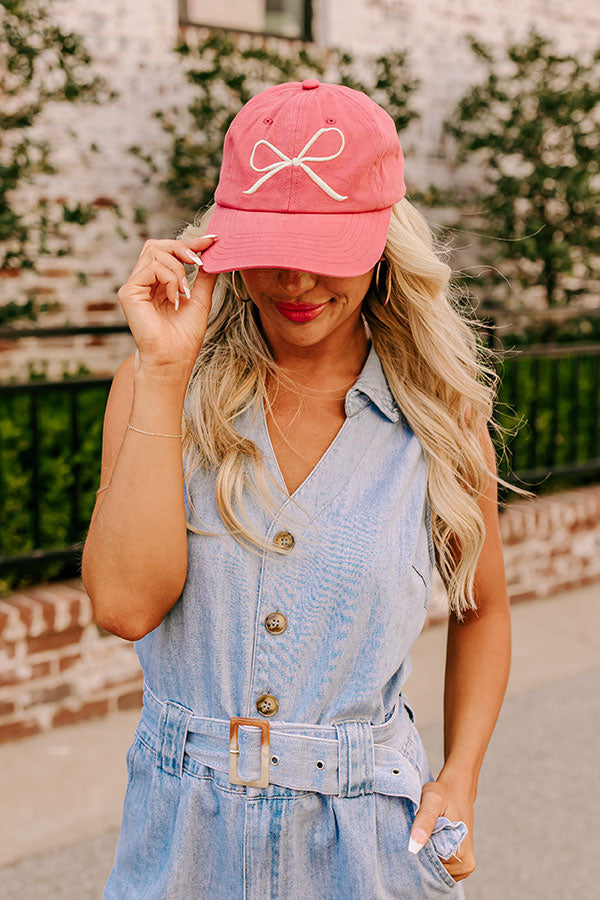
{"x":531,"y":134}
{"x":40,"y":64}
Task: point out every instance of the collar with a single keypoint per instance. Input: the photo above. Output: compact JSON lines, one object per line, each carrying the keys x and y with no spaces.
{"x":371,"y":387}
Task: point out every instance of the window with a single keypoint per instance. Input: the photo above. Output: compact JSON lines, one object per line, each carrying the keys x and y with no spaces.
{"x":288,"y":18}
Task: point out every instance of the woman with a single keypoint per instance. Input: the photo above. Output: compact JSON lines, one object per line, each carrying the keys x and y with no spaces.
{"x":334,"y":414}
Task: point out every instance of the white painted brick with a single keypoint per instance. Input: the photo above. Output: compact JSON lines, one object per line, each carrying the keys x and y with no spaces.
{"x":131,"y":44}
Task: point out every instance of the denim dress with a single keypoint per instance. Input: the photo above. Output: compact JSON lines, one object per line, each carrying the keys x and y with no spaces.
{"x":315,"y":642}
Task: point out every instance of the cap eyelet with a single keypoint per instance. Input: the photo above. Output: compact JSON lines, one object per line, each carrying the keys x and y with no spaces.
{"x":268,"y":120}
{"x":330,"y":120}
{"x":275,"y":760}
{"x":320,"y":764}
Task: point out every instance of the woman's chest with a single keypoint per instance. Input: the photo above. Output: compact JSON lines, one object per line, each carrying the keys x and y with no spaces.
{"x":301,"y":436}
{"x":356,"y":515}
{"x":324,"y":626}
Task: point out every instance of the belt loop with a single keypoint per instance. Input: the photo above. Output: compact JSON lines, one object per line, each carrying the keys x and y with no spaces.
{"x":172,"y":734}
{"x":356,"y":758}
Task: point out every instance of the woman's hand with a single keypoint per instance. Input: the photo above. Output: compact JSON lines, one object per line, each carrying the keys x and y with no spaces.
{"x":167,"y":320}
{"x":440,"y":798}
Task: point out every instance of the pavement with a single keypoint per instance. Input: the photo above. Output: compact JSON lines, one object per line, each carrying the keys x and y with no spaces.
{"x":537,"y":802}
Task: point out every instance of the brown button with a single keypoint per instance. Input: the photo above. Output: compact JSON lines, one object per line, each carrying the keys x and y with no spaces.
{"x":267,"y":704}
{"x":284,"y":539}
{"x":276,"y":622}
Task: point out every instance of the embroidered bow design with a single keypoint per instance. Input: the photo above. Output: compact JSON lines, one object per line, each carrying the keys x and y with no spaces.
{"x":299,"y":160}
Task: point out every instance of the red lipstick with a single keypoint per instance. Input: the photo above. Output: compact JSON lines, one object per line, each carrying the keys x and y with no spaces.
{"x":300,"y":312}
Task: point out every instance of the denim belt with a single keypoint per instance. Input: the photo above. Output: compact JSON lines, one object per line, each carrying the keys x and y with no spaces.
{"x":346,"y":759}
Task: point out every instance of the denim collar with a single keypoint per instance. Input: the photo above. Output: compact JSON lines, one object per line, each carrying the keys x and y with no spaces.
{"x":372,"y":387}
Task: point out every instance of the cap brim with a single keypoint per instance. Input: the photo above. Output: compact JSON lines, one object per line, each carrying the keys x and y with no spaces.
{"x":336,"y":244}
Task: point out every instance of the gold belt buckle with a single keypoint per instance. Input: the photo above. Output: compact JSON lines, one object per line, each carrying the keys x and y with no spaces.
{"x":234,"y":751}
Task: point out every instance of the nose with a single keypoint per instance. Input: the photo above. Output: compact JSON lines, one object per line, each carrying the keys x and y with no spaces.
{"x":294,"y":282}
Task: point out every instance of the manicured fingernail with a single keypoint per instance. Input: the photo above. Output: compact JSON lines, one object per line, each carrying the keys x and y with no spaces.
{"x":414,"y":844}
{"x":194,"y":257}
{"x":176,"y":303}
{"x":213,"y":236}
{"x":186,"y":287}
{"x":136,"y":361}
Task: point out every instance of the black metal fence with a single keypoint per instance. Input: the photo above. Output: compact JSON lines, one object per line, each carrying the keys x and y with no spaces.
{"x":50,"y":452}
{"x":51,"y":436}
{"x":555,"y":388}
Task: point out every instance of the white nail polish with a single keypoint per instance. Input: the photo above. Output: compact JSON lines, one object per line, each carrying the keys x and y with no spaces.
{"x":414,"y":846}
{"x":186,"y":291}
{"x":176,"y":303}
{"x":194,"y":257}
{"x":210,"y":235}
{"x":136,"y":361}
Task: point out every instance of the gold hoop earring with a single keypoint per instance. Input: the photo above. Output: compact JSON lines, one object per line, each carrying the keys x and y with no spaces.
{"x":388,"y":281}
{"x":235,"y":290}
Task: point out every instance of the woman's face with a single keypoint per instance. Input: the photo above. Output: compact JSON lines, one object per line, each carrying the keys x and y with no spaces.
{"x":301,"y":308}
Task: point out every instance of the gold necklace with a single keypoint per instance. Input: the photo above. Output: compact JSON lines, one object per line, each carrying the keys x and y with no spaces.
{"x":317,"y":391}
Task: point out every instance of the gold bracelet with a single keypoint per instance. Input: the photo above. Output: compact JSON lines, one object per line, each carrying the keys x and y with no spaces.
{"x":156,"y":433}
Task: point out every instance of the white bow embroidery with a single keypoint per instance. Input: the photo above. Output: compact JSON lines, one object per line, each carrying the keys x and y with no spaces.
{"x":299,"y":160}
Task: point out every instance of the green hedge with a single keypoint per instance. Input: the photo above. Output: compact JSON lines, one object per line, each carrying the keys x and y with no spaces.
{"x":58,"y":466}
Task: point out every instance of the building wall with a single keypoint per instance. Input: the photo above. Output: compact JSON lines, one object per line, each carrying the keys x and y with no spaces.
{"x":131,"y":44}
{"x":433,"y":32}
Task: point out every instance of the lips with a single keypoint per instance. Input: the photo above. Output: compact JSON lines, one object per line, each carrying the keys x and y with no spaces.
{"x":301,"y":312}
{"x":301,"y":306}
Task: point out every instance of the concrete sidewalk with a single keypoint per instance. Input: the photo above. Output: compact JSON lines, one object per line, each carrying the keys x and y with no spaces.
{"x":538,"y":791}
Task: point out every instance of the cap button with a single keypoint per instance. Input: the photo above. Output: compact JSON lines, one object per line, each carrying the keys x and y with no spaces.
{"x":310,"y":83}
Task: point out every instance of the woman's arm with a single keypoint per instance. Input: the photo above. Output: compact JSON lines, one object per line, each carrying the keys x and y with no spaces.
{"x":134,"y":559}
{"x":477,"y":668}
{"x":478,"y":654}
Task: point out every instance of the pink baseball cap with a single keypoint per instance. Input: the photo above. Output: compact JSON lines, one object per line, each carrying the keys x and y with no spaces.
{"x":309,"y":175}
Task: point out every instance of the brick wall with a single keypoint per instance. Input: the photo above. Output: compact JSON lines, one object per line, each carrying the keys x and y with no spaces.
{"x":550,"y":543}
{"x":131,"y":43}
{"x":58,"y":667}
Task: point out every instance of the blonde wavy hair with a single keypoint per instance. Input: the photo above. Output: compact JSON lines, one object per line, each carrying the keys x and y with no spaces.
{"x":437,"y":371}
